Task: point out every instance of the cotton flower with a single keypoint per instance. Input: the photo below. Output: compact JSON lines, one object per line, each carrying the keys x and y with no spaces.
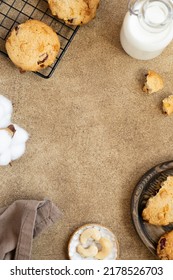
{"x":12,"y":143}
{"x":12,"y":137}
{"x":6,"y":110}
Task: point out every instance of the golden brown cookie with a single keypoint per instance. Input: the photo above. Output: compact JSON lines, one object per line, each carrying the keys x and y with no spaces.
{"x":167,"y":105}
{"x":159,"y":208}
{"x":165,"y":246}
{"x":154,"y":82}
{"x":74,"y":12}
{"x":32,"y":45}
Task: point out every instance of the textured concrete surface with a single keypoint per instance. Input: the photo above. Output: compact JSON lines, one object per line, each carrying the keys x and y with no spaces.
{"x":93,"y":134}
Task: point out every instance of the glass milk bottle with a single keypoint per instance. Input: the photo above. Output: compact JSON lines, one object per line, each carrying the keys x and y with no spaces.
{"x":147,"y":28}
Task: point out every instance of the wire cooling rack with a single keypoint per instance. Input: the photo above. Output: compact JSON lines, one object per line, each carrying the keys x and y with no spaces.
{"x":14,"y":12}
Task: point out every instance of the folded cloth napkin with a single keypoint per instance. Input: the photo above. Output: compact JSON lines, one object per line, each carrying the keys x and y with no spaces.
{"x":20,"y":223}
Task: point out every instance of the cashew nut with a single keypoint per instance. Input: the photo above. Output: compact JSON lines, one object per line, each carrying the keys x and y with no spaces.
{"x":91,"y":251}
{"x":106,"y":247}
{"x":90,"y":233}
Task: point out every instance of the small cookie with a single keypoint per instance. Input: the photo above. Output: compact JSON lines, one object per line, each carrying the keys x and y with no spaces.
{"x":93,"y":242}
{"x":154,"y":82}
{"x":167,"y":105}
{"x":159,"y":208}
{"x":74,"y":12}
{"x":32,"y":45}
{"x":165,"y":246}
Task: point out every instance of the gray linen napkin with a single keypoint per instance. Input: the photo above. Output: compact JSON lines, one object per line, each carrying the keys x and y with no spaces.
{"x":20,"y":223}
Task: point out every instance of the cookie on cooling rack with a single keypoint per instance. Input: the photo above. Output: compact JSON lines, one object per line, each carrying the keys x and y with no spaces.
{"x":74,"y":12}
{"x":32,"y":45}
{"x":93,"y":242}
{"x":165,"y":246}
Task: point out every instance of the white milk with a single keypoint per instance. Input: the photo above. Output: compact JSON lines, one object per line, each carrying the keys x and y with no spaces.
{"x":145,"y":35}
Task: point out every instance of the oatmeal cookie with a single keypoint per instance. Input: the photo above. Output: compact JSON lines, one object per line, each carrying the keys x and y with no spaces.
{"x":32,"y":45}
{"x":74,"y":12}
{"x":159,"y":208}
{"x":165,"y":246}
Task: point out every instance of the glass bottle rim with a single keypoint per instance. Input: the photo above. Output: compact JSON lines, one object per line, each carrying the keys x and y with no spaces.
{"x":142,"y":12}
{"x":167,"y":5}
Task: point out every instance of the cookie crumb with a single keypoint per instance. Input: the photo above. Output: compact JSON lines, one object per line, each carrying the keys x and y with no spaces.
{"x":154,"y":82}
{"x":167,"y":105}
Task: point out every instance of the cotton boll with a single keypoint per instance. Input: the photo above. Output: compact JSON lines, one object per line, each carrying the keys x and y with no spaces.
{"x":17,"y":151}
{"x":12,"y":137}
{"x":5,"y":111}
{"x":20,"y":135}
{"x":5,"y":158}
{"x":5,"y":141}
{"x":12,"y":143}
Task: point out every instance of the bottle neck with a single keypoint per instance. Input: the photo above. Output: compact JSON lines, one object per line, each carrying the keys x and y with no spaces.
{"x":153,"y":15}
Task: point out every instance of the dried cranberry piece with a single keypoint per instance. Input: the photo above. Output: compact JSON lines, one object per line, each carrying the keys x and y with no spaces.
{"x":17,"y":29}
{"x":162,"y":243}
{"x":70,"y":20}
{"x":45,"y":57}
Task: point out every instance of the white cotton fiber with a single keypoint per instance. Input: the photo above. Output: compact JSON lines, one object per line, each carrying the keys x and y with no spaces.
{"x":17,"y":151}
{"x":6,"y":110}
{"x":20,"y":135}
{"x":5,"y":158}
{"x":12,"y":137}
{"x":7,"y":104}
{"x":2,"y":111}
{"x":12,"y":145}
{"x":5,"y":141}
{"x":4,"y":122}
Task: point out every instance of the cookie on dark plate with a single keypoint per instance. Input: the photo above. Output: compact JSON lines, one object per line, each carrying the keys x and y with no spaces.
{"x":165,"y":246}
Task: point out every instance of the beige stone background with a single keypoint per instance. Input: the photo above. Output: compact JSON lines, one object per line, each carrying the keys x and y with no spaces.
{"x":93,"y":134}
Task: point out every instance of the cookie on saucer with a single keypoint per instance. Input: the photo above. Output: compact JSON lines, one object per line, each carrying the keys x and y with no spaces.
{"x":93,"y":242}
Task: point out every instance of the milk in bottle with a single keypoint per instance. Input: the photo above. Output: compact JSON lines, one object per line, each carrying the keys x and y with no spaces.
{"x":147,"y":28}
